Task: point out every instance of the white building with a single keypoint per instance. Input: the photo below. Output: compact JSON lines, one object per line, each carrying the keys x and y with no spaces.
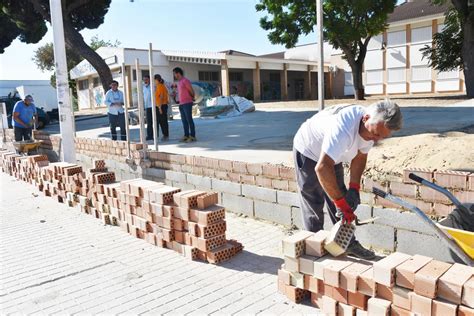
{"x":41,"y":90}
{"x":291,"y":75}
{"x":394,"y":64}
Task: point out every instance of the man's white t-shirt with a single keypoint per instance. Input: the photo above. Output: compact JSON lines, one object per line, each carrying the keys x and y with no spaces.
{"x":334,"y":131}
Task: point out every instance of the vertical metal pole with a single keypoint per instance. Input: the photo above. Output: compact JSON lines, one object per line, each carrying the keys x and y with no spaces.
{"x":152,"y":94}
{"x":126,"y":105}
{"x":140,"y":103}
{"x":68,"y":150}
{"x":319,"y":22}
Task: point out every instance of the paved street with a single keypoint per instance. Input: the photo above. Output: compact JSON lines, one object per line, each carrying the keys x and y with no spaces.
{"x":267,"y":134}
{"x":55,"y":259}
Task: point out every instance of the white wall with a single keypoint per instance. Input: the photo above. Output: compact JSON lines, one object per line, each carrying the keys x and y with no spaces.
{"x":44,"y":96}
{"x":420,"y":80}
{"x":309,"y":52}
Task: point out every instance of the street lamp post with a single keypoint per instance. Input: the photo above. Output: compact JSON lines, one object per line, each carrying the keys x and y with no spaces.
{"x":66,"y":121}
{"x":320,"y":45}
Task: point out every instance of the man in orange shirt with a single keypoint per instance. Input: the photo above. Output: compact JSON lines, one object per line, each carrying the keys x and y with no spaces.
{"x":161,"y":101}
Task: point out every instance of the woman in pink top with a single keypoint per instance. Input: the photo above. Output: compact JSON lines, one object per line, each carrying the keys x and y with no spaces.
{"x":186,"y":98}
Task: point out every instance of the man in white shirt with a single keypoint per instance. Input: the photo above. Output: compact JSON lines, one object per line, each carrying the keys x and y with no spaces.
{"x":148,"y":108}
{"x":336,"y":135}
{"x":114,"y":101}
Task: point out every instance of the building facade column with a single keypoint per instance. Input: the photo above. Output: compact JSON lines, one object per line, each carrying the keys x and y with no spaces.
{"x":384,"y":62}
{"x":284,"y":82}
{"x":408,"y":63}
{"x":225,"y":78}
{"x":434,"y":30}
{"x":307,"y":84}
{"x":90,"y":90}
{"x":256,"y":83}
{"x":129,"y":79}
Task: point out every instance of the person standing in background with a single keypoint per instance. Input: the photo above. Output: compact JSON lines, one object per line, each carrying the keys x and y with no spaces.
{"x":114,"y":101}
{"x":186,"y":99}
{"x":161,"y":101}
{"x":23,"y":119}
{"x":148,"y":109}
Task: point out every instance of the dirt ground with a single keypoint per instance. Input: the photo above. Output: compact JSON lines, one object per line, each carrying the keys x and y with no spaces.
{"x":444,"y":151}
{"x":450,"y":150}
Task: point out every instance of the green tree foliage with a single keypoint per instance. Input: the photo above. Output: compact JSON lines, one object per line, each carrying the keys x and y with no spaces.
{"x":453,"y":47}
{"x":348,"y":25}
{"x":44,"y":57}
{"x":26,"y":20}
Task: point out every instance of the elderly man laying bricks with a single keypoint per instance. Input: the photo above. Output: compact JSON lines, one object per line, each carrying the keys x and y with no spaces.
{"x":339,"y":134}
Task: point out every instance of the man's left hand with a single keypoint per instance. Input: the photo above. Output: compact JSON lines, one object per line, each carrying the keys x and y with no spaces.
{"x":353,"y":195}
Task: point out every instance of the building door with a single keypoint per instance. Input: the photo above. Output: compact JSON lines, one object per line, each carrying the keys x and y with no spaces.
{"x":299,"y":89}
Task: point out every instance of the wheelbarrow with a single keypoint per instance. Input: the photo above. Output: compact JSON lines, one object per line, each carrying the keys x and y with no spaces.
{"x":460,"y":242}
{"x":26,"y":146}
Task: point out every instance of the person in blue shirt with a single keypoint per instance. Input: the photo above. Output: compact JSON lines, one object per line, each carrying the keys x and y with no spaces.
{"x":24,"y":118}
{"x":148,"y":108}
{"x":114,"y":101}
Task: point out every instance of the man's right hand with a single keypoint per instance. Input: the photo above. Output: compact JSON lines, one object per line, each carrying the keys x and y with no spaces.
{"x":347,"y":212}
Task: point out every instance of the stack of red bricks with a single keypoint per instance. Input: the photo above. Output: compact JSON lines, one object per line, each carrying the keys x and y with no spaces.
{"x":189,"y":222}
{"x":398,"y":284}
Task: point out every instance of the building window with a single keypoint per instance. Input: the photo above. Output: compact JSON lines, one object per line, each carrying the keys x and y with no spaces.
{"x":96,"y":82}
{"x":208,"y":76}
{"x":83,"y":84}
{"x":274,"y":77}
{"x":144,"y":73}
{"x":236,"y":76}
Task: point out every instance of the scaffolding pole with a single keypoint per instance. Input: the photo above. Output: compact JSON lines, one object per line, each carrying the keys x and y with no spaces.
{"x":152,"y":94}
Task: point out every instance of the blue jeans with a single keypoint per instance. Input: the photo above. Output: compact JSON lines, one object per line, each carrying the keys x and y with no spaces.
{"x":186,"y":111}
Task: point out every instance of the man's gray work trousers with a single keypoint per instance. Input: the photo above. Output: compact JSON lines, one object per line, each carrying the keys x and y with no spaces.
{"x":311,"y":193}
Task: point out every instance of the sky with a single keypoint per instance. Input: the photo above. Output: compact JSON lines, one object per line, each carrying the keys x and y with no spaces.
{"x":202,"y":25}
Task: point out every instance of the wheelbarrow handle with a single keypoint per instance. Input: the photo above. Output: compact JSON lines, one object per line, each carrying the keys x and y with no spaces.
{"x":439,"y":232}
{"x":436,"y":187}
{"x":415,"y":178}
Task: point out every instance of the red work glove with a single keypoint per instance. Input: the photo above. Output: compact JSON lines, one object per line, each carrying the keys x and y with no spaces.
{"x":347,"y":213}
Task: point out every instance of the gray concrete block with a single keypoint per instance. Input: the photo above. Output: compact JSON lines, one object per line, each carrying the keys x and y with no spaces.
{"x":363,"y":211}
{"x":277,"y":213}
{"x":203,"y":183}
{"x":288,"y":198}
{"x":377,"y":236}
{"x":183,"y":186}
{"x":175,"y":176}
{"x":155,"y":172}
{"x":238,"y":204}
{"x":296,"y":218}
{"x":226,"y":186}
{"x":401,"y":220}
{"x":327,"y":220}
{"x":427,"y":245}
{"x":259,"y":193}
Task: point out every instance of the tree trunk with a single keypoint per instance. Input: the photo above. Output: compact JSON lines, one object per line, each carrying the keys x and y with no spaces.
{"x":359,"y":93}
{"x":468,"y":54}
{"x":75,"y":41}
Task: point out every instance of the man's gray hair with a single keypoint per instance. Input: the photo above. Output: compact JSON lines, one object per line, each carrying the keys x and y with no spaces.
{"x":385,"y":111}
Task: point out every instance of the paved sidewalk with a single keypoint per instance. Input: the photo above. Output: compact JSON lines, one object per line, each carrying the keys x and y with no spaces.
{"x":55,"y":259}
